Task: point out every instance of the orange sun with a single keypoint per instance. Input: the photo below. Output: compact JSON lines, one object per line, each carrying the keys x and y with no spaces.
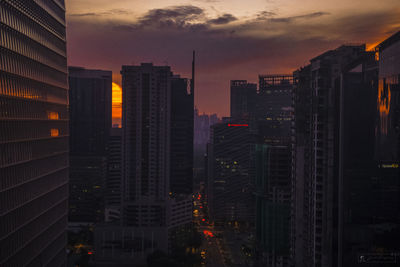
{"x":116,"y":104}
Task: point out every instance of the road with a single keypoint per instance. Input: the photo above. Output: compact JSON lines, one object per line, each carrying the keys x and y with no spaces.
{"x":222,"y":247}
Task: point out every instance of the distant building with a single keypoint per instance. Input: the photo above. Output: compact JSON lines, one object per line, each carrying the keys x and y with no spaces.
{"x":243,"y":97}
{"x":202,"y":124}
{"x":90,"y":124}
{"x":33,"y":134}
{"x":274,"y":110}
{"x":230,"y":173}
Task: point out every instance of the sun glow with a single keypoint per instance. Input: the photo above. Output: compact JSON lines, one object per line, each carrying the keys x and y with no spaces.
{"x":116,"y":104}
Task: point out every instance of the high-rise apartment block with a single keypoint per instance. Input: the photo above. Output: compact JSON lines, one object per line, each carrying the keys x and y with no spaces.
{"x":157,"y":166}
{"x":338,"y":187}
{"x":33,"y":133}
{"x":90,"y":124}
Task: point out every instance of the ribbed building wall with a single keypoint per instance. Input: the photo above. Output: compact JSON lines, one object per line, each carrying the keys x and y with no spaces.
{"x":33,"y":133}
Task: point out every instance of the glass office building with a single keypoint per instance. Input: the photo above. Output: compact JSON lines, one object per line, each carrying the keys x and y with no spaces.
{"x":33,"y":133}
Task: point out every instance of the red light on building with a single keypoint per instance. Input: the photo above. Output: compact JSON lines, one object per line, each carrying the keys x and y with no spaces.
{"x":90,"y":253}
{"x":208,"y":233}
{"x":237,"y":125}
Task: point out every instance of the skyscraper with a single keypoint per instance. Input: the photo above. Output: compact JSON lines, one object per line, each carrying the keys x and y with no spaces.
{"x":181,"y":146}
{"x":316,"y":164}
{"x":157,"y":164}
{"x":90,"y":124}
{"x":243,"y":96}
{"x":33,"y":133}
{"x":146,"y":121}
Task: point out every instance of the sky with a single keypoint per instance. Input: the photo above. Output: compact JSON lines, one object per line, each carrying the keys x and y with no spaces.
{"x":233,"y":39}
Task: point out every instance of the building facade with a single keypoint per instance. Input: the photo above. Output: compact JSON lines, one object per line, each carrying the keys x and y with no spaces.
{"x":317,"y":190}
{"x":33,"y":133}
{"x":113,"y":184}
{"x":274,"y":108}
{"x":157,"y":167}
{"x":90,"y":124}
{"x":243,"y":97}
{"x":273,"y":204}
{"x":230,"y":173}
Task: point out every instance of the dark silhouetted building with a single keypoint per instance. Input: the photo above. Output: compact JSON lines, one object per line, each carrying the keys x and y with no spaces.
{"x":113,"y":184}
{"x":369,"y":185}
{"x":230,"y":173}
{"x":90,"y":124}
{"x":273,"y":204}
{"x":332,"y":152}
{"x":243,"y":97}
{"x":301,"y":167}
{"x":273,"y":121}
{"x":157,"y":167}
{"x":274,"y":108}
{"x":33,"y":134}
{"x":181,"y":146}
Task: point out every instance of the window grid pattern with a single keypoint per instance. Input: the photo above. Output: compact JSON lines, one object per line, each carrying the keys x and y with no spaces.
{"x":16,"y":41}
{"x":16,"y":20}
{"x":33,"y":133}
{"x":21,"y":87}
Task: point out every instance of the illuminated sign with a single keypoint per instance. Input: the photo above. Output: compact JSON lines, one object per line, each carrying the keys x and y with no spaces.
{"x":391,"y":166}
{"x":237,"y":125}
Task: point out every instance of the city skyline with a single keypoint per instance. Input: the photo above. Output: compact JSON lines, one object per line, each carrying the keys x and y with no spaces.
{"x":202,"y":133}
{"x":233,"y":40}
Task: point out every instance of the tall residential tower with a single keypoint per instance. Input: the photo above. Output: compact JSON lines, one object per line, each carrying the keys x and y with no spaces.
{"x":90,"y":124}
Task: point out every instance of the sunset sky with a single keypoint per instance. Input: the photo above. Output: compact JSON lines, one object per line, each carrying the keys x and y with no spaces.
{"x":234,"y":39}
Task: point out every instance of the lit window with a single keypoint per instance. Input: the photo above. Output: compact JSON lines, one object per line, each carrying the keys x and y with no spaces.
{"x":51,"y":115}
{"x":54,"y":132}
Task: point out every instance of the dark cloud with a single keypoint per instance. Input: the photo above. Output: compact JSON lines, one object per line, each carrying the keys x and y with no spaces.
{"x":176,"y":16}
{"x":108,"y":12}
{"x":306,"y":16}
{"x":224,"y":19}
{"x":84,"y":14}
{"x":264,"y":15}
